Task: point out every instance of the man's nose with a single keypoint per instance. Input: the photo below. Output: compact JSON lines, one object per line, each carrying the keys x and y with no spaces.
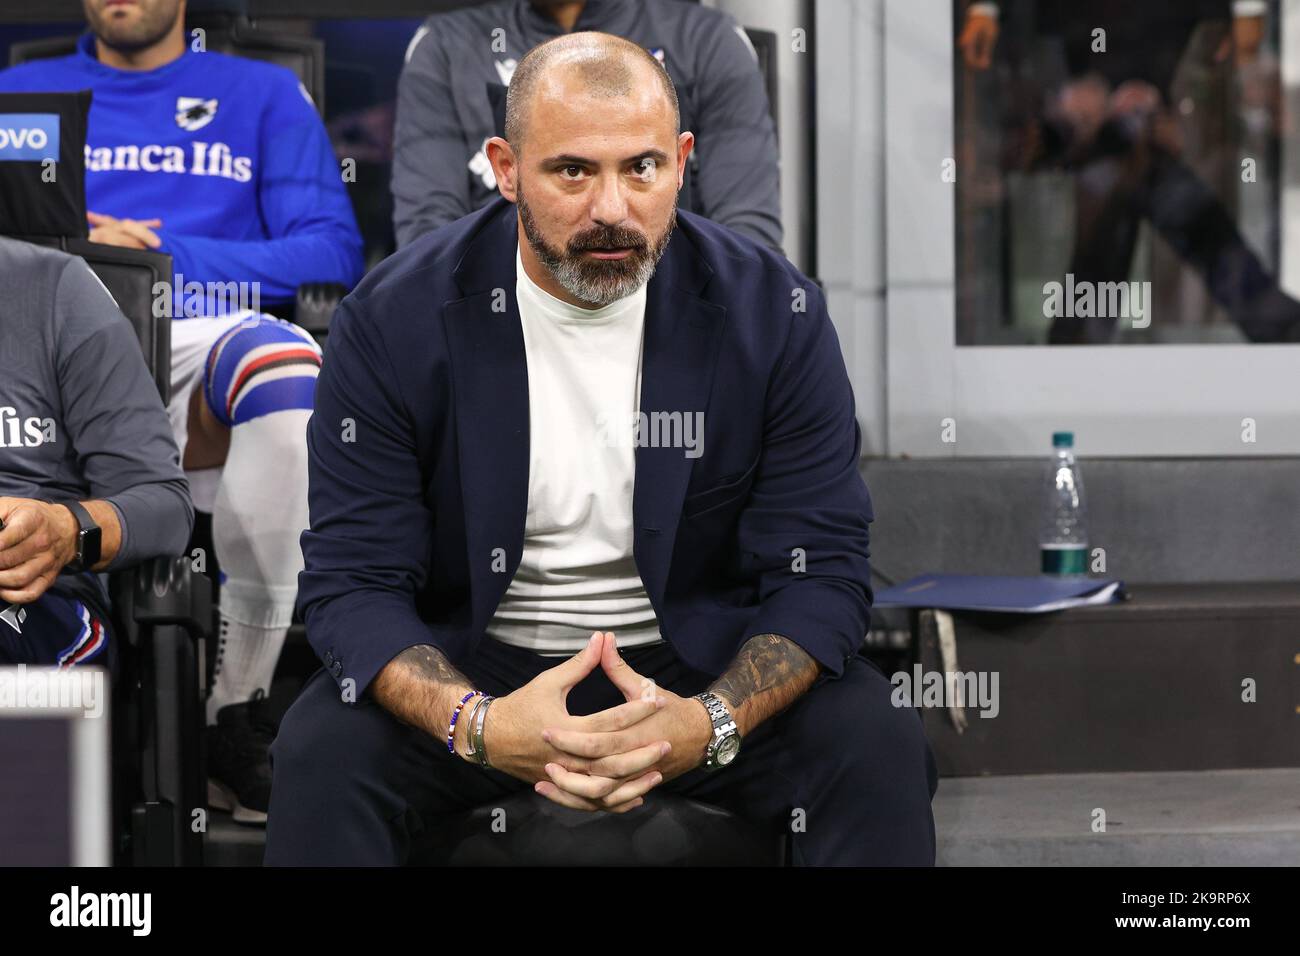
{"x":609,"y":205}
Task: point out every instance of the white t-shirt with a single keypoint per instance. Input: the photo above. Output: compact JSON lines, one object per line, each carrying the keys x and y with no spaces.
{"x":578,"y":574}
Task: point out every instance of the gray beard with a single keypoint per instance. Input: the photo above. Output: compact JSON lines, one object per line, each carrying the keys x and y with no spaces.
{"x":598,"y":283}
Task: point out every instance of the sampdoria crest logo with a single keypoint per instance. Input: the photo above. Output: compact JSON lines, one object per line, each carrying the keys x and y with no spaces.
{"x":193,"y":113}
{"x":14,"y":615}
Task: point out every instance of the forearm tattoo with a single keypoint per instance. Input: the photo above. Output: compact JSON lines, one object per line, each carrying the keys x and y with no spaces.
{"x":768,"y":675}
{"x":426,"y":663}
{"x":414,"y":686}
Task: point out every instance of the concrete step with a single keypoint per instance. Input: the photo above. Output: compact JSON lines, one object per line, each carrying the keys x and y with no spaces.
{"x":1199,"y":818}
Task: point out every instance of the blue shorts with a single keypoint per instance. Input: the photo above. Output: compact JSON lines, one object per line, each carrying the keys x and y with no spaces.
{"x":67,"y":626}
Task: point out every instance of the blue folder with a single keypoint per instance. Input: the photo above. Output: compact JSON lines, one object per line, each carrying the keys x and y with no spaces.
{"x":1017,"y":595}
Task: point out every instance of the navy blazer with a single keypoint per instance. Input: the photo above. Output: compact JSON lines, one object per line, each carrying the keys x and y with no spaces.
{"x":419,"y":455}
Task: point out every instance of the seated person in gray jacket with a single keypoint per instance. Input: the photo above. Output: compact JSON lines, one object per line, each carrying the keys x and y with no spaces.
{"x":90,"y":476}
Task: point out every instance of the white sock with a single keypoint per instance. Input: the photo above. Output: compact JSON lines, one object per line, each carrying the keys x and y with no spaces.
{"x":259,"y":514}
{"x":246,"y":659}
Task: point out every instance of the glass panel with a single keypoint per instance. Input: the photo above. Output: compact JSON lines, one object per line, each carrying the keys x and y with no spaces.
{"x":1117,"y":173}
{"x":363,"y":60}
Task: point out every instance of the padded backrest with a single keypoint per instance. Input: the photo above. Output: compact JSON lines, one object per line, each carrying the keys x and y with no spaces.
{"x":130,"y":276}
{"x":43,"y":49}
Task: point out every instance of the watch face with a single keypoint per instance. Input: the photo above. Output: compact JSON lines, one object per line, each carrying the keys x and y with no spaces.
{"x":727,"y":750}
{"x":88,"y":547}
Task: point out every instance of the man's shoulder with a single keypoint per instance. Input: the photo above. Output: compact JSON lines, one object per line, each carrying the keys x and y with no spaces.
{"x":696,"y":29}
{"x":46,"y":287}
{"x":255,"y":77}
{"x":741,"y":266}
{"x":71,"y":72}
{"x":474,"y":15}
{"x":27,"y":268}
{"x":450,"y":29}
{"x":693,"y":15}
{"x":420,"y":274}
{"x":52,"y":74}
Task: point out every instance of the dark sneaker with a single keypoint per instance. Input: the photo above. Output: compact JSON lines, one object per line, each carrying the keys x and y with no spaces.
{"x":239,"y":763}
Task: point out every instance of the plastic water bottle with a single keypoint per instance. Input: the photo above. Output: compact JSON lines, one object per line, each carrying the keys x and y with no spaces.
{"x":1063,"y":534}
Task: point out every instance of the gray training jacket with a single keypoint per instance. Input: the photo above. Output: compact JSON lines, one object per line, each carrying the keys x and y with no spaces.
{"x":80,"y":416}
{"x":451,"y":98}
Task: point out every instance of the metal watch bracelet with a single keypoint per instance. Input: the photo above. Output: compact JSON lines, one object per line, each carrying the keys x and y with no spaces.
{"x":724,"y":744}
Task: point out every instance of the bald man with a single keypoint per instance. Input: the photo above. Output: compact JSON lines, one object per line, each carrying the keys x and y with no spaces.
{"x":459,"y":65}
{"x":586,"y":515}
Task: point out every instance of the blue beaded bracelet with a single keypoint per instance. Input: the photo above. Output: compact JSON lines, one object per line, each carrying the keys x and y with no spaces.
{"x":451,"y":729}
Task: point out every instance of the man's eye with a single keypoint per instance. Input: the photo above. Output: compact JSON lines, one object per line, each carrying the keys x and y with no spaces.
{"x":575,"y":170}
{"x":645,"y":169}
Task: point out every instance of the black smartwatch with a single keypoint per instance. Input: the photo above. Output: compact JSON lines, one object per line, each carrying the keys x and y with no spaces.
{"x":88,"y":538}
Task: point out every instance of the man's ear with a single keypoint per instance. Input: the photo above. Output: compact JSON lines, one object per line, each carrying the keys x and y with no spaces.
{"x":505,"y":166}
{"x":685,"y":143}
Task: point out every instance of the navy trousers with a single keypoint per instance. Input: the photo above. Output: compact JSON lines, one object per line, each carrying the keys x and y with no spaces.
{"x":352,"y":784}
{"x":67,"y":626}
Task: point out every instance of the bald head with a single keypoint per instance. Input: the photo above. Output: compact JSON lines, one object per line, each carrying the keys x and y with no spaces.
{"x":593,"y":156}
{"x":603,"y":65}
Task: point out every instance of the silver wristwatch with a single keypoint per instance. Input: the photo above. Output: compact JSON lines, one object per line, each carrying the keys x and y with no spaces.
{"x":725,"y":745}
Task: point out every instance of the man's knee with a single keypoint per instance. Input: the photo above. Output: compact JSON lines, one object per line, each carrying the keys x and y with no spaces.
{"x":301,"y":738}
{"x":321,"y":735}
{"x":865,"y":765}
{"x":207,"y":439}
{"x":261,"y":366}
{"x":852,"y":725}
